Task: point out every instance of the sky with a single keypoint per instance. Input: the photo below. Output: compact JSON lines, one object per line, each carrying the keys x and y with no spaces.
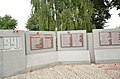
{"x":21,"y":9}
{"x":113,"y":22}
{"x":18,"y":9}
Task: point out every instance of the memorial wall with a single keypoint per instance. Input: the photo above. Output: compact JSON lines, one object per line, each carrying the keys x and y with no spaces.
{"x":106,"y":45}
{"x":108,"y":38}
{"x":37,"y":48}
{"x":72,"y":47}
{"x":40,"y":41}
{"x":44,"y":41}
{"x":10,"y":43}
{"x":70,"y":40}
{"x":40,"y":48}
{"x":12,"y":47}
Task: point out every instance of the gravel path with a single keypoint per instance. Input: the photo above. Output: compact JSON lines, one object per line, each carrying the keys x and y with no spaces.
{"x":102,"y":71}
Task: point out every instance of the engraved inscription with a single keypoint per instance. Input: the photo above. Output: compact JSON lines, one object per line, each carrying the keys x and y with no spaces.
{"x":105,"y":38}
{"x":10,"y":43}
{"x":43,"y":41}
{"x":109,"y":38}
{"x":71,"y":40}
{"x":115,"y":38}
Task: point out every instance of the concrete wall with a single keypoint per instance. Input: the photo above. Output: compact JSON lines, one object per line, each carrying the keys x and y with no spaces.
{"x":1,"y":64}
{"x":106,"y":53}
{"x":28,"y":46}
{"x":16,"y":60}
{"x":75,"y":54}
{"x":107,"y":56}
{"x":78,"y":57}
{"x":91,"y":47}
{"x":40,"y":57}
{"x":83,"y":32}
{"x":63,"y":55}
{"x":13,"y":52}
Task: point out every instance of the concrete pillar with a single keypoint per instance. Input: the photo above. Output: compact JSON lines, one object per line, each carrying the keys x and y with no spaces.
{"x":90,"y":47}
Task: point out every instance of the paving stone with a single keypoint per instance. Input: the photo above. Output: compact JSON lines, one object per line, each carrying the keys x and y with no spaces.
{"x":102,"y":71}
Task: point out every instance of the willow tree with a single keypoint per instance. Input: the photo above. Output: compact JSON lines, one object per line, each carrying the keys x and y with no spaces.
{"x":61,"y":14}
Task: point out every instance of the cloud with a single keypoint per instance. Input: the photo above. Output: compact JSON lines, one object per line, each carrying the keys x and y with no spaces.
{"x":114,"y":20}
{"x":18,"y":9}
{"x":21,"y":9}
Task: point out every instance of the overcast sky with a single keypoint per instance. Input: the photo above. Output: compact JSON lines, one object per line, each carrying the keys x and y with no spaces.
{"x":18,"y":9}
{"x":114,"y":20}
{"x":21,"y":9}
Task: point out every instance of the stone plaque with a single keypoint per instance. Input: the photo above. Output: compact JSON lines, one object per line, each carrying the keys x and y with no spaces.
{"x":109,"y":38}
{"x":71,"y":40}
{"x":6,"y":43}
{"x":15,"y":42}
{"x":48,"y":41}
{"x":105,"y":38}
{"x":65,"y":40}
{"x":115,"y":38}
{"x":77,"y":40}
{"x":10,"y":43}
{"x":38,"y":41}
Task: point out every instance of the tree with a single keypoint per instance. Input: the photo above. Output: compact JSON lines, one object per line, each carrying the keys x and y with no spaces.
{"x":7,"y":22}
{"x":117,"y":27}
{"x":116,"y":3}
{"x":101,"y":13}
{"x":61,"y":14}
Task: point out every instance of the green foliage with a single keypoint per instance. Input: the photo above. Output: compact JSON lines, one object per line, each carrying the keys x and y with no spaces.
{"x":117,"y":27}
{"x":7,"y":22}
{"x":101,"y":13}
{"x":61,"y":14}
{"x":116,"y":3}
